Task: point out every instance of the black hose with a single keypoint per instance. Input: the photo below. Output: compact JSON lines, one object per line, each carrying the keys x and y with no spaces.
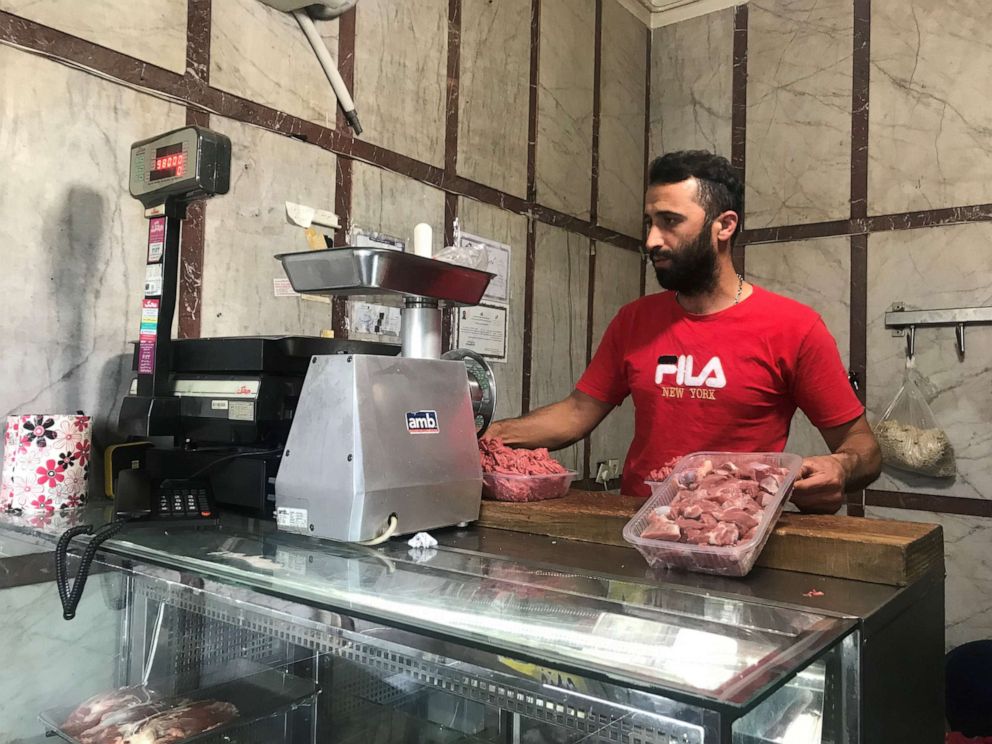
{"x":70,"y":597}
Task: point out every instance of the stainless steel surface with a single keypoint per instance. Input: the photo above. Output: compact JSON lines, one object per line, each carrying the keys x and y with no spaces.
{"x":420,"y":329}
{"x":364,"y":271}
{"x":944,"y":317}
{"x":482,"y":386}
{"x":907,"y":321}
{"x":353,"y":457}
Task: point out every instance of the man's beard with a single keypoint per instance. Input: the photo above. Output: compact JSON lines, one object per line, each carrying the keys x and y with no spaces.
{"x":692,"y":269}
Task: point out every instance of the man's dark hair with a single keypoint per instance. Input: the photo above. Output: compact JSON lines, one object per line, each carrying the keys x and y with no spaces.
{"x":720,"y":187}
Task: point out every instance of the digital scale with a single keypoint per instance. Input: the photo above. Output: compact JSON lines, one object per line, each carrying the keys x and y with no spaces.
{"x":338,"y":439}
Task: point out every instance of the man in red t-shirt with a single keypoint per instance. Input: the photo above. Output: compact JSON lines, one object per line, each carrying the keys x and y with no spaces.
{"x":714,"y":363}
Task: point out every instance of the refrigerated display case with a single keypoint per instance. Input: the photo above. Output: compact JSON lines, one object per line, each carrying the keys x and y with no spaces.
{"x":326,"y":642}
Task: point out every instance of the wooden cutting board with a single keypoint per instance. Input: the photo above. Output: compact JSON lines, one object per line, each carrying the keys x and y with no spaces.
{"x":877,"y":550}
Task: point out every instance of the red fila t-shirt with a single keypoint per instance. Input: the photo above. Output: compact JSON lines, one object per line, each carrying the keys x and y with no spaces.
{"x":730,"y":381}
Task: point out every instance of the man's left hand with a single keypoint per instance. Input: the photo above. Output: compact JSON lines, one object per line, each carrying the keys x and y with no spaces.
{"x":820,"y":486}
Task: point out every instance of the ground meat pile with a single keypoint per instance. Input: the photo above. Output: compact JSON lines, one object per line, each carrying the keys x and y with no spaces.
{"x":500,"y":460}
{"x":716,"y":506}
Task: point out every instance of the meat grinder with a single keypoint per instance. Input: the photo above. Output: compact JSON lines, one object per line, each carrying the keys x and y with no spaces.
{"x":381,"y":444}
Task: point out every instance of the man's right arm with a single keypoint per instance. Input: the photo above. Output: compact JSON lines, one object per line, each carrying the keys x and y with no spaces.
{"x":554,"y":426}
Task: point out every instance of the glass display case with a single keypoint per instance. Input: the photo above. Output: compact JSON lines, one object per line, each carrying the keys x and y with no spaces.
{"x":322,"y":642}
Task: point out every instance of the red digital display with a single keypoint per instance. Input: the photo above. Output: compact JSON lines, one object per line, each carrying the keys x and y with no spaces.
{"x":175,"y":163}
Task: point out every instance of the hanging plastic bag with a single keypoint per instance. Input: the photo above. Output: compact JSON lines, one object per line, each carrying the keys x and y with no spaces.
{"x":908,"y":433}
{"x":464,"y":252}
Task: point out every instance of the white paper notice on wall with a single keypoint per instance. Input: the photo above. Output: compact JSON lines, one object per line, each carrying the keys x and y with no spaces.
{"x":499,"y":264}
{"x":482,"y":329}
{"x":282,"y":288}
{"x":370,"y":319}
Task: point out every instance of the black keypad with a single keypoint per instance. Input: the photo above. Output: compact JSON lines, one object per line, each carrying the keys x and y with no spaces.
{"x":184,"y":501}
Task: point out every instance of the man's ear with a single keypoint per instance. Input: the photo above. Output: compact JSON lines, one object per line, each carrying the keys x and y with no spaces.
{"x":726,"y":223}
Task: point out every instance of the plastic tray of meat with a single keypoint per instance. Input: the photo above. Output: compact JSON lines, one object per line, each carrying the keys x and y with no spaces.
{"x":140,"y":715}
{"x":521,"y":488}
{"x":714,"y":513}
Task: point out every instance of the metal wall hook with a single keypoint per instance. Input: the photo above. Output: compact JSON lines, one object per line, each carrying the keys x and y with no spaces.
{"x":905,"y":321}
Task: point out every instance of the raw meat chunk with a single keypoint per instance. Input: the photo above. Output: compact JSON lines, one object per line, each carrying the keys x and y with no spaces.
{"x":662,"y":529}
{"x":90,"y":712}
{"x":769,"y":484}
{"x":724,"y":533}
{"x":738,"y":516}
{"x":117,"y":726}
{"x":183,"y":722}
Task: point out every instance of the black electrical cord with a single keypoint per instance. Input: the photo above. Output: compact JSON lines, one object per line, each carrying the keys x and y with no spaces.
{"x":70,"y":596}
{"x":235,"y":456}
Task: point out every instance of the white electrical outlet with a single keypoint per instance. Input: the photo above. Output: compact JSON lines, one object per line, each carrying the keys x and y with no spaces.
{"x":602,"y":472}
{"x":607,"y":470}
{"x":614,"y":468}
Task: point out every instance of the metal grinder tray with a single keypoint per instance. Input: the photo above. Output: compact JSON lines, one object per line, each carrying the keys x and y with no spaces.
{"x":378,"y":271}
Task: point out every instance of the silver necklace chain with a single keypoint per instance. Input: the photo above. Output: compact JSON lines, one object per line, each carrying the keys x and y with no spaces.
{"x":740,"y":289}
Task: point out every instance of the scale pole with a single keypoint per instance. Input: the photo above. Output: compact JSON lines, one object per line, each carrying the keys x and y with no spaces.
{"x":159,"y":303}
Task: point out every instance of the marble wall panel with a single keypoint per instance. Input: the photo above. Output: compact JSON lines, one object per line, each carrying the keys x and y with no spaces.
{"x":561,"y":286}
{"x":155,"y":31}
{"x":691,"y":78}
{"x":816,"y":273}
{"x":968,"y":586}
{"x":401,"y":72}
{"x":935,"y":268}
{"x":618,"y":281}
{"x":261,"y":54}
{"x":247,"y":227}
{"x":564,"y":106}
{"x":490,"y":222}
{"x":86,"y":649}
{"x":493,"y":94}
{"x":798,"y":111}
{"x":930,"y":124}
{"x":72,"y":239}
{"x":386,"y":202}
{"x":621,"y":120}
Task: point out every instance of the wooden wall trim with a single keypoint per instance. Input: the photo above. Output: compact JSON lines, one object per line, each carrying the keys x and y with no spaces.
{"x":190,"y":291}
{"x":198,"y":94}
{"x":532,"y":105}
{"x":858,"y":316}
{"x":648,"y":155}
{"x":930,"y":502}
{"x":738,"y":119}
{"x":343,"y":167}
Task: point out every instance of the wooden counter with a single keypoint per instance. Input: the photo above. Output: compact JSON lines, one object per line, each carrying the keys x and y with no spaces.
{"x":877,"y":550}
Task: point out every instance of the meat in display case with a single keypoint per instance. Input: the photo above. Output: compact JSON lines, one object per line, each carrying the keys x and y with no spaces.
{"x":269,"y":637}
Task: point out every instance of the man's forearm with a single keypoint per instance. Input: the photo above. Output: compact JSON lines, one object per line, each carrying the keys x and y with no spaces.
{"x":555,"y":426}
{"x":550,"y":426}
{"x":861,"y":460}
